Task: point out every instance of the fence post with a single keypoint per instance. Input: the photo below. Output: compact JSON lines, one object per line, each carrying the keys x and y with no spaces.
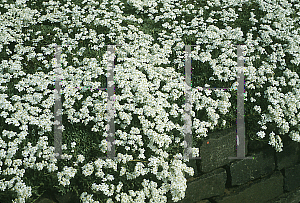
{"x":188,"y":107}
{"x":240,"y":137}
{"x":110,"y":102}
{"x":57,"y":106}
{"x":240,"y":107}
{"x":110,"y":105}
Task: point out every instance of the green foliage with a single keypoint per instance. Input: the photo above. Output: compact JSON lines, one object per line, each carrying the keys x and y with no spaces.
{"x":88,"y":141}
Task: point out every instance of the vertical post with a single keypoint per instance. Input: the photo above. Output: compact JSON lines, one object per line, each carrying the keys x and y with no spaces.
{"x":110,"y":102}
{"x":240,"y":137}
{"x":240,"y":106}
{"x":57,"y":106}
{"x":188,"y":107}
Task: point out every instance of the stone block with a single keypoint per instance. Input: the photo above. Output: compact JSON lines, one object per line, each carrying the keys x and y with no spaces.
{"x":245,"y":170}
{"x":289,"y":156}
{"x":289,"y":197}
{"x":292,"y":178}
{"x":258,"y":191}
{"x":216,"y":148}
{"x":206,"y":186}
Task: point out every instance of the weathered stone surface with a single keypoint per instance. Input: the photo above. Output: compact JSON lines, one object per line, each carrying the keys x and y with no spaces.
{"x":253,"y":180}
{"x":292,"y":178}
{"x":208,"y":185}
{"x":244,"y":170}
{"x":216,"y":149}
{"x":67,"y":198}
{"x":289,"y":197}
{"x":54,"y":197}
{"x":259,"y":191}
{"x":44,"y":200}
{"x":289,"y":156}
{"x":46,"y":197}
{"x":203,"y":201}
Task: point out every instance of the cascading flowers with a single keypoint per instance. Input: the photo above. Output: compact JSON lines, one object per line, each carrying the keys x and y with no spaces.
{"x":149,"y":101}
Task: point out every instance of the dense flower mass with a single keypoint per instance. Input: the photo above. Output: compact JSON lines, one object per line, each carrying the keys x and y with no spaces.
{"x":149,"y":90}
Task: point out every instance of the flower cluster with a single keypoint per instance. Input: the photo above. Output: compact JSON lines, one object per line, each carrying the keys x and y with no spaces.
{"x":65,"y":176}
{"x":149,"y":102}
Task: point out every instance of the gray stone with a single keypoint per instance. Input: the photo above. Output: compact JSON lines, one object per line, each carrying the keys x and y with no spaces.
{"x":203,"y":201}
{"x":206,"y":186}
{"x":44,"y":200}
{"x":289,"y":156}
{"x":289,"y":197}
{"x":245,"y":170}
{"x":69,"y":197}
{"x":292,"y":178}
{"x":259,"y":191}
{"x":216,"y":149}
{"x":55,"y":197}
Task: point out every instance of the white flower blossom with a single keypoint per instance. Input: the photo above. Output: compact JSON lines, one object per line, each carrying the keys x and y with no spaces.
{"x":149,"y":82}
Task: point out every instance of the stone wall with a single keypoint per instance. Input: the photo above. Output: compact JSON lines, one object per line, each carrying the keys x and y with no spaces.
{"x":270,"y":177}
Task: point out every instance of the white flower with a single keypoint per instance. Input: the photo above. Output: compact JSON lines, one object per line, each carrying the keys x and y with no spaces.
{"x":224,"y":122}
{"x":39,"y":166}
{"x":52,"y":167}
{"x":149,"y":93}
{"x":261,"y":134}
{"x":80,"y":158}
{"x":64,"y":147}
{"x":123,"y":170}
{"x":257,"y":108}
{"x":87,"y":169}
{"x":70,"y":171}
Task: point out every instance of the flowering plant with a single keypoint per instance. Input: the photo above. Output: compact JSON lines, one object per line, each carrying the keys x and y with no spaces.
{"x":149,"y":90}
